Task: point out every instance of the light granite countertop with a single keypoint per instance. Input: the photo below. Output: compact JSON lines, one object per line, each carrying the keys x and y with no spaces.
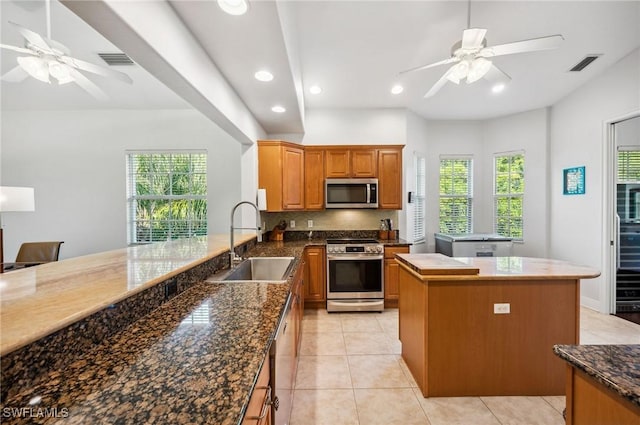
{"x":615,"y":366}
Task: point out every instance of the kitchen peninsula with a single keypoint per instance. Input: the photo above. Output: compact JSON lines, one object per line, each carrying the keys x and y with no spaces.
{"x":487,"y":326}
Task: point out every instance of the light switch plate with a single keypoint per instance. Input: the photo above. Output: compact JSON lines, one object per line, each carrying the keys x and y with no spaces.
{"x":502,"y":308}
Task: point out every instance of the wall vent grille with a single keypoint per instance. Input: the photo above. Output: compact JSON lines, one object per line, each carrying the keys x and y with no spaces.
{"x":116,"y":59}
{"x":584,"y":63}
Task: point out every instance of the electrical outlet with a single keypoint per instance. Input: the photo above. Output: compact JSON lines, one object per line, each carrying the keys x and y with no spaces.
{"x":502,"y":308}
{"x":309,"y":224}
{"x":292,"y":224}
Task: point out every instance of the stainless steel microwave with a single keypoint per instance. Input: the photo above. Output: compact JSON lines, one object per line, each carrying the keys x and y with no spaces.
{"x":351,"y":193}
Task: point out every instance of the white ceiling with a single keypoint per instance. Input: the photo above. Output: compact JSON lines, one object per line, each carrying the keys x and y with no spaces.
{"x":354,"y":50}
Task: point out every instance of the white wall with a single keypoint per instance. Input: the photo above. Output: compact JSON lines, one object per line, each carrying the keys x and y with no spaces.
{"x":355,"y":126}
{"x":417,"y":137}
{"x":576,"y":131}
{"x":525,"y":132}
{"x":75,"y":160}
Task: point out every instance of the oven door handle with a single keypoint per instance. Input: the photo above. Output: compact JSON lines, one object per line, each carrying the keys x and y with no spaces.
{"x":354,"y":257}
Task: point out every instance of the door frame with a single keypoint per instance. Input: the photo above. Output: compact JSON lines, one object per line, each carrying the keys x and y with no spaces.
{"x":610,"y":245}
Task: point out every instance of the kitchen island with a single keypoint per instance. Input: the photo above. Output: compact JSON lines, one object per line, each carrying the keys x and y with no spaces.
{"x":603,"y":384}
{"x":487,"y":326}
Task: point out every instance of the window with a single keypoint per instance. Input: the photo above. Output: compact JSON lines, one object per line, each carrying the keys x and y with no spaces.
{"x":456,"y":195}
{"x":509,"y":195}
{"x":628,"y":164}
{"x":419,"y":198}
{"x":166,"y":195}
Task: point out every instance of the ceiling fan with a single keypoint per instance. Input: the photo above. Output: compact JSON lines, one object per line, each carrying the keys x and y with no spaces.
{"x":472,"y":57}
{"x":48,"y":58}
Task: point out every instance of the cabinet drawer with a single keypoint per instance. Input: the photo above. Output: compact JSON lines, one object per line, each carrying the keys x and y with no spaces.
{"x":391,"y":251}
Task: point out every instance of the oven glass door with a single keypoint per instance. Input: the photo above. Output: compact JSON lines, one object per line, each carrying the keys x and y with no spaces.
{"x":355,"y":277}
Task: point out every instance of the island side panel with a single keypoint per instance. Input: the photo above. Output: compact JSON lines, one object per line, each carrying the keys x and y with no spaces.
{"x":474,"y":352}
{"x":413,"y":320}
{"x":591,"y":403}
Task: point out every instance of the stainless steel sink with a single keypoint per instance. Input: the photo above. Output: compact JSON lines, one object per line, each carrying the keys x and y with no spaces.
{"x":262,"y":268}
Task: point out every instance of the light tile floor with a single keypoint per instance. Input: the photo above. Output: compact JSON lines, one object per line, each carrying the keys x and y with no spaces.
{"x":351,"y":373}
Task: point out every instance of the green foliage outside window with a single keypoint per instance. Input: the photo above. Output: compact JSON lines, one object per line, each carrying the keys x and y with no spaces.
{"x":509,"y":195}
{"x":167,"y":196}
{"x":455,"y":196}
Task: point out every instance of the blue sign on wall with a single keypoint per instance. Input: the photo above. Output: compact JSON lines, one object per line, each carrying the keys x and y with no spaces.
{"x":573,"y":179}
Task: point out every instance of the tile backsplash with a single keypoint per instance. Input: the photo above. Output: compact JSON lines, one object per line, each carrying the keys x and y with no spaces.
{"x":338,"y":219}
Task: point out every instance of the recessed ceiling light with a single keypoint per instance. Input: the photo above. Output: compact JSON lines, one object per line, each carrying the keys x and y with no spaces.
{"x":234,"y":7}
{"x":263,"y":75}
{"x":498,"y":88}
{"x":279,"y":109}
{"x":315,"y":89}
{"x":397,"y":89}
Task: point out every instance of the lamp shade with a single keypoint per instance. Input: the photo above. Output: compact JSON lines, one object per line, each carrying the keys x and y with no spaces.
{"x":16,"y":199}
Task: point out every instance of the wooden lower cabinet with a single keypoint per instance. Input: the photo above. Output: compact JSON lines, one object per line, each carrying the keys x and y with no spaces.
{"x":391,"y":274}
{"x":259,"y":408}
{"x":315,"y":282}
{"x":297,"y":293}
{"x":591,"y":403}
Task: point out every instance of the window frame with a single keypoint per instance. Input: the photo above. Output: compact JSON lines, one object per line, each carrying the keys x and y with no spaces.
{"x":509,"y":195}
{"x":171,"y":225}
{"x":453,"y":196}
{"x":419,"y":198}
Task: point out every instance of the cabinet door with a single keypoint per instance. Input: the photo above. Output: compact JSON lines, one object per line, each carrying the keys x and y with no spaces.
{"x":315,"y":288}
{"x":292,"y":178}
{"x":314,"y":179}
{"x":364,"y":163}
{"x":338,"y":163}
{"x":390,"y":179}
{"x":258,"y":411}
{"x":391,"y":273}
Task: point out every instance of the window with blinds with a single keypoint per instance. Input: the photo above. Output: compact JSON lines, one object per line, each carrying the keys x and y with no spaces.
{"x":166,"y":195}
{"x":508,"y":195}
{"x":456,"y":195}
{"x":419,"y":202}
{"x":628,"y":165}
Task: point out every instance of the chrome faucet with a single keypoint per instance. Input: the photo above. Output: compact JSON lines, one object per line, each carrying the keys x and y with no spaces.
{"x":234,"y":260}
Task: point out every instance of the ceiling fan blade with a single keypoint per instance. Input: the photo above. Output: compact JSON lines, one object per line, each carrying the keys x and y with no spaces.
{"x":15,"y":75}
{"x":497,"y":76}
{"x":18,"y":49}
{"x":88,"y":85}
{"x":535,"y":44}
{"x":32,"y":37}
{"x":95,"y":69}
{"x":431,"y":65}
{"x":439,"y":84}
{"x":472,"y":38}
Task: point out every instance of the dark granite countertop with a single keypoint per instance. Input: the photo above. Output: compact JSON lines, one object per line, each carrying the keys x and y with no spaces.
{"x":193,"y":360}
{"x":615,"y":366}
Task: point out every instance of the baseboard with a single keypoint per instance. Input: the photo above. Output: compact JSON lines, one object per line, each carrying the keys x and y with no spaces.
{"x":590,"y":303}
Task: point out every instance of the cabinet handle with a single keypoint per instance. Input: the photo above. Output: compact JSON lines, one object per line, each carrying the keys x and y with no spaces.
{"x":265,"y":404}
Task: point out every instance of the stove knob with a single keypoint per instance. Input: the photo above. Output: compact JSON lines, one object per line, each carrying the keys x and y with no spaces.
{"x":379,"y":249}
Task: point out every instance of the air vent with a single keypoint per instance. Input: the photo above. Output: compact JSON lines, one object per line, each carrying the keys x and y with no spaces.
{"x":116,"y":59}
{"x":584,"y":63}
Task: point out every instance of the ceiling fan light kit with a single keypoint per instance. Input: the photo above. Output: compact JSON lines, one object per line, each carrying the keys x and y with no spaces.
{"x":471,"y":58}
{"x":49,"y":58}
{"x":234,"y":7}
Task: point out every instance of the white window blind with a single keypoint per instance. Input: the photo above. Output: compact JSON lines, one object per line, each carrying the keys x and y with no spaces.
{"x":419,"y":198}
{"x":166,"y":195}
{"x":456,"y":194}
{"x":509,"y":195}
{"x":628,"y":164}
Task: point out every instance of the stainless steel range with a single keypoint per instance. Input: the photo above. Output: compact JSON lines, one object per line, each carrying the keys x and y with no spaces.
{"x":355,"y":275}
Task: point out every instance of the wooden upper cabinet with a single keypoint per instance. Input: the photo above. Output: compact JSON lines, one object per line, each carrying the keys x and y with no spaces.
{"x":292,"y":178}
{"x":338,"y":163}
{"x":314,"y":179}
{"x":364,"y":163}
{"x":351,"y":162}
{"x":390,"y":178}
{"x":281,"y":173}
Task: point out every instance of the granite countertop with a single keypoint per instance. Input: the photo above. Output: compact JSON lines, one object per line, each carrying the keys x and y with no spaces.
{"x":439,"y":266}
{"x":193,"y":360}
{"x":615,"y":366}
